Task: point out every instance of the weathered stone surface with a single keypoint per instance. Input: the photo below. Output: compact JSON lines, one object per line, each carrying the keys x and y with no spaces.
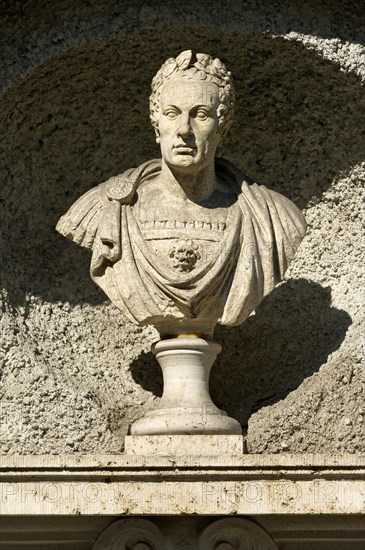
{"x":255,"y":485}
{"x":299,"y":382}
{"x":172,"y":445}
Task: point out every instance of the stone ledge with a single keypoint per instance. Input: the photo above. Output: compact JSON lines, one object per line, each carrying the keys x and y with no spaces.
{"x":215,"y":485}
{"x":125,"y":461}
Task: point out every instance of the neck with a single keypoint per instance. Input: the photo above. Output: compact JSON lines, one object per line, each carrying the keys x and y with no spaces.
{"x":195,"y":186}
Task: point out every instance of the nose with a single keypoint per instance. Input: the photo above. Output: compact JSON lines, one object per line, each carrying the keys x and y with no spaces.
{"x":184,"y":129}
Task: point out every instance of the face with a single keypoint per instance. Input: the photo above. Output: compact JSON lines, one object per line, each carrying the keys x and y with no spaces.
{"x":188,"y":124}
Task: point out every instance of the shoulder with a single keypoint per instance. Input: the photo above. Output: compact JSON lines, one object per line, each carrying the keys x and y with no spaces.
{"x":123,"y":186}
{"x":283,"y":209}
{"x":273,"y":207}
{"x":288,"y":208}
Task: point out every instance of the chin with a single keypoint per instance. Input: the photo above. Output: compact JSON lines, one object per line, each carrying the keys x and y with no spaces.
{"x":184,"y":161}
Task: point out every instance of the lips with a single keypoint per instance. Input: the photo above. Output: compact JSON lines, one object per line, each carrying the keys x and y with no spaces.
{"x":184,"y":149}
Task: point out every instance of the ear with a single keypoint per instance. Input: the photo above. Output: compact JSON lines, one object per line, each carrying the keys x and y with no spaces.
{"x":157,"y":132}
{"x":221,"y":111}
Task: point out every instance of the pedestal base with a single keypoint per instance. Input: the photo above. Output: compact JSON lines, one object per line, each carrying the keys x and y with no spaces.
{"x":186,"y":421}
{"x":186,"y":407}
{"x":184,"y":445}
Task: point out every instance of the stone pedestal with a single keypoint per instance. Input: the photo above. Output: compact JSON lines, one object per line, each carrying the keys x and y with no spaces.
{"x":186,"y":406}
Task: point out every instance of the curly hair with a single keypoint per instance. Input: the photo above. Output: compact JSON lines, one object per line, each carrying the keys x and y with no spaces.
{"x":203,"y":68}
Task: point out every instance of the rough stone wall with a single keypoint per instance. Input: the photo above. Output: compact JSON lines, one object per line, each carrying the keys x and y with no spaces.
{"x":74,"y":111}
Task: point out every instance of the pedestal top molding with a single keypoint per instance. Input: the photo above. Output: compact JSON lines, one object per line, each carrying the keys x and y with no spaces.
{"x":147,"y":485}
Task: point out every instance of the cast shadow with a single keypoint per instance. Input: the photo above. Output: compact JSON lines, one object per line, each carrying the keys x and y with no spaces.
{"x":78,"y":119}
{"x":288,"y":339}
{"x":290,"y":336}
{"x":147,"y":373}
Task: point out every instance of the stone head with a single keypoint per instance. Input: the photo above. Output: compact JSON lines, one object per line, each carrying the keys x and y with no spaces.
{"x":213,"y":77}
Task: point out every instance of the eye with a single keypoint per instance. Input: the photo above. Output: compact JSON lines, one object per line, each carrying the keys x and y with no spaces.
{"x":201,"y":114}
{"x":171,"y":113}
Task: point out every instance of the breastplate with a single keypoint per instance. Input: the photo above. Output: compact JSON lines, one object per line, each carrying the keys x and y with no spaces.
{"x":184,"y":246}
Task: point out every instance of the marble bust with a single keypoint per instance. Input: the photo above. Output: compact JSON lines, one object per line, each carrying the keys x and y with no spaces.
{"x":188,"y":241}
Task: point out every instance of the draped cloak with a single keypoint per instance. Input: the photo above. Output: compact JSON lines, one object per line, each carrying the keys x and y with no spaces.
{"x":263,"y":232}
